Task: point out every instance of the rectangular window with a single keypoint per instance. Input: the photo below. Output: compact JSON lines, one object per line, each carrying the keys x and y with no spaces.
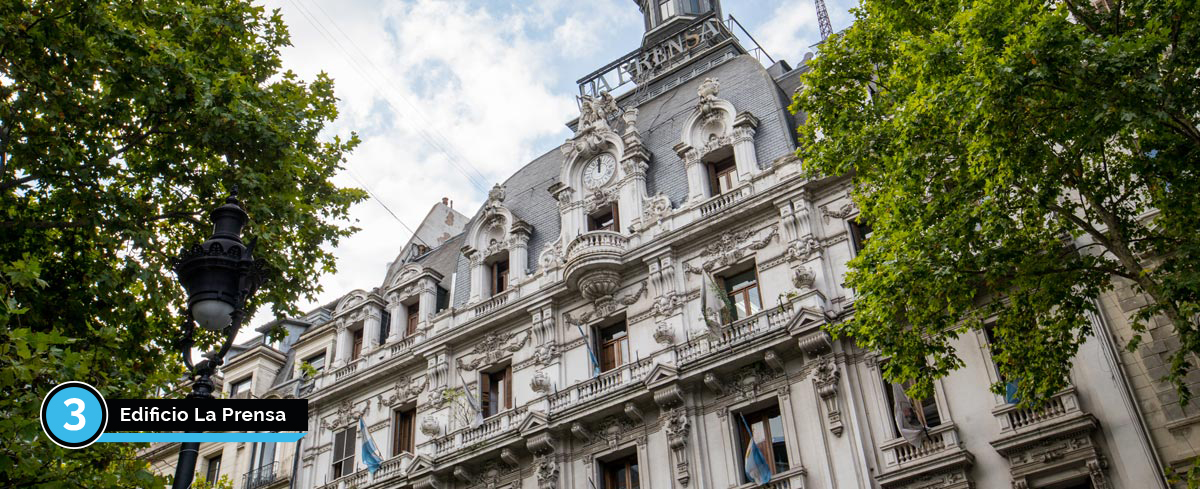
{"x":410,"y":323}
{"x":317,"y":361}
{"x":923,"y":412}
{"x":860,"y":232}
{"x":241,"y":387}
{"x":495,"y":391}
{"x":742,"y":290}
{"x":614,"y":347}
{"x":343,"y":452}
{"x":722,"y":176}
{"x":767,"y":427}
{"x":212,"y":471}
{"x":499,"y":276}
{"x":605,"y":220}
{"x":385,"y":327}
{"x":1010,"y":386}
{"x":402,"y":434}
{"x":443,"y":299}
{"x":666,"y":9}
{"x":356,"y":349}
{"x":621,"y":473}
{"x":693,"y":6}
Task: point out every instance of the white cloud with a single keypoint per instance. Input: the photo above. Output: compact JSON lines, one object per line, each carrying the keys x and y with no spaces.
{"x":489,"y":79}
{"x":790,"y":31}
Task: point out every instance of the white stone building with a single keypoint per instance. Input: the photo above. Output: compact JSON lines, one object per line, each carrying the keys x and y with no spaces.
{"x":555,"y":339}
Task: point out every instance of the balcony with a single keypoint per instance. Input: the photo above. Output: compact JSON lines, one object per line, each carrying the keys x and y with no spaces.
{"x":494,"y":427}
{"x":789,"y":479}
{"x":738,"y":333}
{"x":496,"y":302}
{"x":613,"y":381}
{"x":263,"y":477}
{"x":724,"y":201}
{"x":593,"y":262}
{"x":939,"y":452}
{"x":1044,"y":443}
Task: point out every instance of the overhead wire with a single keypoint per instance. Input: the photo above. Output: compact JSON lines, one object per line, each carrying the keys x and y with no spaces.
{"x":453,"y":158}
{"x":443,"y":143}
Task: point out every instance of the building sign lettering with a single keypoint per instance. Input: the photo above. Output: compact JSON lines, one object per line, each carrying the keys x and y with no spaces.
{"x":641,"y":65}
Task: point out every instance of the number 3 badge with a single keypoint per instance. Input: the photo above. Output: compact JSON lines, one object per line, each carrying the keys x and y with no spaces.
{"x":74,"y":414}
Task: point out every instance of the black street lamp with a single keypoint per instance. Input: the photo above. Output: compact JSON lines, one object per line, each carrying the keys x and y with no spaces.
{"x":219,"y":276}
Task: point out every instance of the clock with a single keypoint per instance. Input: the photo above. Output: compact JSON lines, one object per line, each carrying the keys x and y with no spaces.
{"x":599,"y":170}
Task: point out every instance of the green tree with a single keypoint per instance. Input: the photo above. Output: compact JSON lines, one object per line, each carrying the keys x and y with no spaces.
{"x":982,"y":136}
{"x":121,"y":124}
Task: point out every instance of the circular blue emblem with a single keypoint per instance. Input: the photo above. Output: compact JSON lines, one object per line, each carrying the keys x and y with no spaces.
{"x":74,"y":414}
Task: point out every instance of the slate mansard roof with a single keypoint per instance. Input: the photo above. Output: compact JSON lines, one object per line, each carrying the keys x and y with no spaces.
{"x":744,"y":82}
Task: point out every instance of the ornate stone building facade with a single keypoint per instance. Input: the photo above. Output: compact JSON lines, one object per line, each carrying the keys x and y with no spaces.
{"x":556,"y":339}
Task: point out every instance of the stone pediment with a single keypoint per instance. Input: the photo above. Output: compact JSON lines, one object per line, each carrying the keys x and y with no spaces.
{"x":806,"y":319}
{"x":534,"y":421}
{"x":661,"y":374}
{"x":420,"y":464}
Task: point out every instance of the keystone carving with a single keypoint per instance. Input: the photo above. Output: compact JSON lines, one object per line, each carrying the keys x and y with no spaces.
{"x":828,"y":376}
{"x":492,"y":348}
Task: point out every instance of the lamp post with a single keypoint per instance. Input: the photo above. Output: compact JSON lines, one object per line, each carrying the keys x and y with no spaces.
{"x":219,"y":275}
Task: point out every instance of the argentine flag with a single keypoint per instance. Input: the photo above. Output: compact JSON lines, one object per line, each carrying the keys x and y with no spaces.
{"x":756,"y":463}
{"x":370,"y":452}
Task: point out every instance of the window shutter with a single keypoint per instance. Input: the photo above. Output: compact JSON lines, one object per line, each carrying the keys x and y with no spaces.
{"x":485,"y":386}
{"x":508,"y":396}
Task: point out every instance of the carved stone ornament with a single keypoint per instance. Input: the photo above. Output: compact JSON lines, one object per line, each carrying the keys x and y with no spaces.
{"x":600,"y":197}
{"x":594,"y":113}
{"x":664,"y":334}
{"x":547,"y":472}
{"x":540,"y":383}
{"x":665,"y":305}
{"x":406,"y":389}
{"x":551,"y":256}
{"x":430,"y":426}
{"x":827,"y":380}
{"x":729,"y":248}
{"x":655,"y":209}
{"x":492,"y":348}
{"x":840,"y":213}
{"x":630,"y":117}
{"x":604,"y":305}
{"x":803,"y":248}
{"x":677,"y":426}
{"x":495,"y":196}
{"x":613,"y":428}
{"x":803,"y":278}
{"x":346,"y":414}
{"x":545,"y":353}
{"x":747,"y":380}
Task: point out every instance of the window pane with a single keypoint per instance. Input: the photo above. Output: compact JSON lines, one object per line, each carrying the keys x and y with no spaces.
{"x":778,"y":444}
{"x":633,"y":476}
{"x":754,"y":300}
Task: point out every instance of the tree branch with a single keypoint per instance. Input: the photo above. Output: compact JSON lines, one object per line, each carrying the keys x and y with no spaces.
{"x":13,"y":183}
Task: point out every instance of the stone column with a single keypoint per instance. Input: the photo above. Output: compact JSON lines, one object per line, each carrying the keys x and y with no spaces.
{"x":475,"y":259}
{"x":518,"y":252}
{"x":697,"y":175}
{"x":633,"y":194}
{"x":396,"y":326}
{"x":343,"y":344}
{"x":371,"y":328}
{"x":744,"y":155}
{"x":426,"y":303}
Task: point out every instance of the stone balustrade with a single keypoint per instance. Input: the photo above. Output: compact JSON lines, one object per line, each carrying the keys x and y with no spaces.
{"x":724,"y":201}
{"x":615,"y":380}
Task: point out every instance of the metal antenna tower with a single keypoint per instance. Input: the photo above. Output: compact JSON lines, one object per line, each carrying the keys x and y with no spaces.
{"x":823,"y":20}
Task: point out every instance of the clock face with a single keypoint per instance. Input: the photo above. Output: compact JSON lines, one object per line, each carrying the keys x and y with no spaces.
{"x":599,"y":171}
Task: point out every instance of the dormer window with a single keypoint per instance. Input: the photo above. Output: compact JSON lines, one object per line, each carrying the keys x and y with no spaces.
{"x":499,"y":276}
{"x":414,"y":317}
{"x":604,"y":219}
{"x":722,"y":175}
{"x":666,"y":10}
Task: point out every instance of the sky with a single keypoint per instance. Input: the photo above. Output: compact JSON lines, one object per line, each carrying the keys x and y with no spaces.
{"x":451,"y":97}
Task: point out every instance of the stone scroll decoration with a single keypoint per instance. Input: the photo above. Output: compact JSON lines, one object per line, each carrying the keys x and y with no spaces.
{"x":492,"y":348}
{"x":729,"y":248}
{"x":827,"y":378}
{"x":346,"y":415}
{"x":677,"y":425}
{"x":606,"y":306}
{"x":405,"y":390}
